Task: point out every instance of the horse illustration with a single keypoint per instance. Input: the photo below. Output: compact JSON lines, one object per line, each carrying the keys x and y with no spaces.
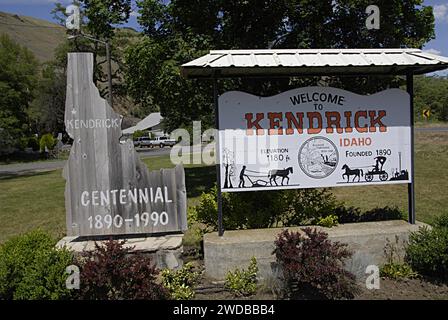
{"x":351,"y":172}
{"x":284,"y":173}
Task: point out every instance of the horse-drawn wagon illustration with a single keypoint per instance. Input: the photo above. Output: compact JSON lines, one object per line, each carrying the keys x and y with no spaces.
{"x":370,"y":174}
{"x":377,"y":170}
{"x":264,"y":179}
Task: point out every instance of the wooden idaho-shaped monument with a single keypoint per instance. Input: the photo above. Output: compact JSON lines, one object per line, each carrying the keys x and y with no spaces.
{"x":109,"y":191}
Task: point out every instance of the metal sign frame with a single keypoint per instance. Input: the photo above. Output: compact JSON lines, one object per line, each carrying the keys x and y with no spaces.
{"x":411,"y":188}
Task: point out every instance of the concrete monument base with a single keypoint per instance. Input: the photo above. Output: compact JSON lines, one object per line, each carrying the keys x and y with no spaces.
{"x":165,"y":251}
{"x":366,"y":240}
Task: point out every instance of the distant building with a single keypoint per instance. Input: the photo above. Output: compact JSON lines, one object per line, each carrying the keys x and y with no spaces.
{"x":151,"y":123}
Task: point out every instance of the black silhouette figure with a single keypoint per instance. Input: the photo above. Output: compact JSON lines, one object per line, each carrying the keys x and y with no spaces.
{"x":400,"y":175}
{"x":379,"y":162}
{"x":327,"y":161}
{"x":352,"y":172}
{"x":377,"y":170}
{"x":242,"y":175}
{"x":284,"y":173}
{"x":227,"y":178}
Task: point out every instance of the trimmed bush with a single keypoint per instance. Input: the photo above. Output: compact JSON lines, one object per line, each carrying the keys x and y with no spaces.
{"x":427,"y":251}
{"x":32,"y":268}
{"x":266,"y":209}
{"x":46,"y":278}
{"x":312,"y":265}
{"x":328,"y":221}
{"x":352,"y":214}
{"x":112,"y":272}
{"x":243,"y":282}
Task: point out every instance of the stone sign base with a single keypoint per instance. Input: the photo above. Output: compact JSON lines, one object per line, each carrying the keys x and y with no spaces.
{"x":165,"y":251}
{"x":366,"y":240}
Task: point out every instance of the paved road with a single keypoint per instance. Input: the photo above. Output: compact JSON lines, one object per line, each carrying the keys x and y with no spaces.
{"x":435,"y":129}
{"x":19,"y":168}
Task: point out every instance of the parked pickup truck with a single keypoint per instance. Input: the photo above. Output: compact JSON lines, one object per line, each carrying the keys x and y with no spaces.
{"x":162,"y":142}
{"x":151,"y":143}
{"x":142,"y":142}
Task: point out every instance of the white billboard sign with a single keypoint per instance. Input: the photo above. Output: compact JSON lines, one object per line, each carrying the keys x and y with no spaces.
{"x":313,"y":137}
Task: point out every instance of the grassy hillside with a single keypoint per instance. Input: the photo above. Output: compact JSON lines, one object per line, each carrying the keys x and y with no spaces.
{"x":40,"y":36}
{"x":43,"y":37}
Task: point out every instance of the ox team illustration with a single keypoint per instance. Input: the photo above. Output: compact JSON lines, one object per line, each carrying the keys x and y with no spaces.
{"x":313,"y":137}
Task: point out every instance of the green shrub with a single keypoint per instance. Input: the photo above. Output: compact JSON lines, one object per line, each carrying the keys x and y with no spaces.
{"x":46,"y":278}
{"x":139,"y":133}
{"x":328,"y":221}
{"x":47,"y":141}
{"x":313,"y":266}
{"x":427,"y":252}
{"x":192,"y":216}
{"x":32,"y":268}
{"x":353,"y":214}
{"x":397,"y":271}
{"x":243,"y":282}
{"x":266,"y":209}
{"x":441,"y":221}
{"x":181,"y":283}
{"x":395,"y":266}
{"x":33,"y":143}
{"x":22,"y":143}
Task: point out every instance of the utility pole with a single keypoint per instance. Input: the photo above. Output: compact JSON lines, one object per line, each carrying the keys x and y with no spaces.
{"x":109,"y":72}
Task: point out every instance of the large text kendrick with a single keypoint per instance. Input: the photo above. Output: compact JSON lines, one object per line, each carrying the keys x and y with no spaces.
{"x":279,"y":123}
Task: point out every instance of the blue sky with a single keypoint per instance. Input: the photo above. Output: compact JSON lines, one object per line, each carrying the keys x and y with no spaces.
{"x":41,"y":9}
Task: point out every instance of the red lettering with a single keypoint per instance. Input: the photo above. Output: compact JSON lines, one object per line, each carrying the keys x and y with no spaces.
{"x":333,"y":119}
{"x":348,"y":117}
{"x":292,"y":120}
{"x":274,"y":123}
{"x":251,"y":124}
{"x":377,"y":121}
{"x":358,"y":115}
{"x":311,"y":116}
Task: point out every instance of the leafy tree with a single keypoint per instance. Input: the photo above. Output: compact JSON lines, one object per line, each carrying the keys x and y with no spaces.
{"x":102,"y":15}
{"x":431,"y":93}
{"x":99,"y":19}
{"x":18,"y":70}
{"x":179,"y":30}
{"x":47,"y":109}
{"x":153,"y":81}
{"x":139,"y":133}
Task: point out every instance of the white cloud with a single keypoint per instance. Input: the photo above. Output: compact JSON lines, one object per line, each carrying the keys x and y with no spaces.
{"x":433,"y":51}
{"x":134,"y":14}
{"x":441,"y":12}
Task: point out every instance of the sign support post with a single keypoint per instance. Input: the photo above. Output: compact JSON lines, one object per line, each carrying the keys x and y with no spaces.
{"x":411,"y":189}
{"x":218,"y":166}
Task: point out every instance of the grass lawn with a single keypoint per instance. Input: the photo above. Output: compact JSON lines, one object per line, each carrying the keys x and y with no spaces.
{"x":37,"y":200}
{"x":431,"y":182}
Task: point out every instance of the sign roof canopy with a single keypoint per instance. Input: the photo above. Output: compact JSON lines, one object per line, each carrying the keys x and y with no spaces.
{"x":303,"y":62}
